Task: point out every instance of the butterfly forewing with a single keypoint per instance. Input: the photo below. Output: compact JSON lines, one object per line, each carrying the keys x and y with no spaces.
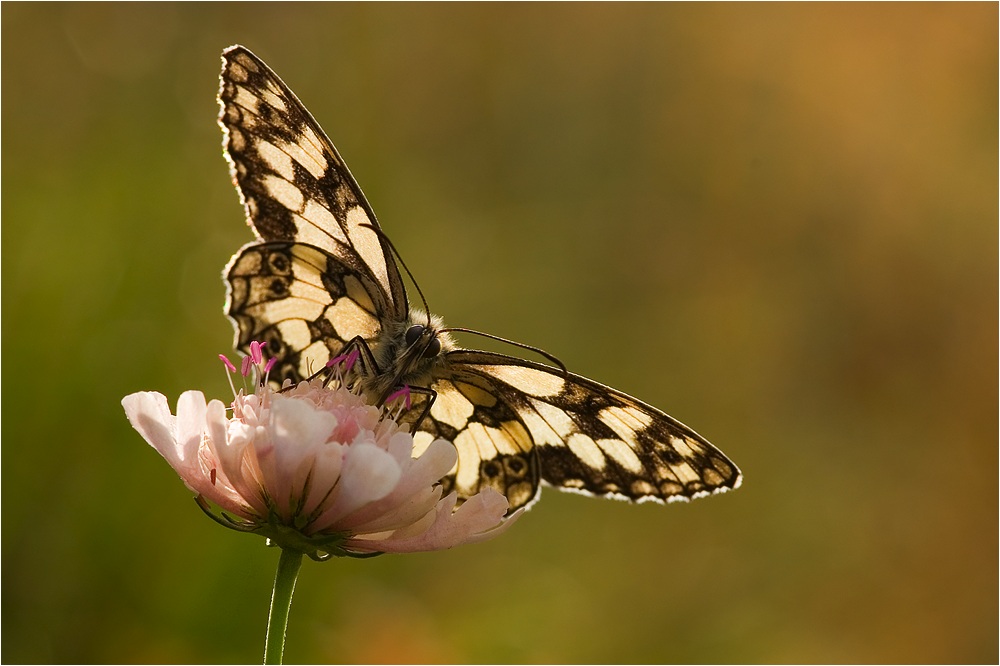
{"x":322,"y":277}
{"x":295,"y":187}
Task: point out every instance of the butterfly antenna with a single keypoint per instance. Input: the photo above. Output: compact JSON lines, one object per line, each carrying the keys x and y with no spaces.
{"x":541,"y":352}
{"x":537,"y":350}
{"x":402,"y":263}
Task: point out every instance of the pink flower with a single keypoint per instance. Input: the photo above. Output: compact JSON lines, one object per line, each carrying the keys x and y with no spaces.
{"x":316,"y":469}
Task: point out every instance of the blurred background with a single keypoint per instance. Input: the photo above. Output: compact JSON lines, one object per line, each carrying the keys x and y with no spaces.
{"x":776,"y":222}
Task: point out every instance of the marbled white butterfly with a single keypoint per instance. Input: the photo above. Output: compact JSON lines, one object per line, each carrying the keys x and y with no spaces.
{"x":321,"y":278}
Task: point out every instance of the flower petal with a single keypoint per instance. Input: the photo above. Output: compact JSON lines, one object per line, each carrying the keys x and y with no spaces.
{"x":191,"y":409}
{"x":396,"y":516}
{"x":481,"y":517}
{"x":150,"y":415}
{"x":220,"y":490}
{"x":419,"y":476}
{"x":323,"y":477}
{"x":369,"y":474}
{"x":299,"y":431}
{"x":320,"y":456}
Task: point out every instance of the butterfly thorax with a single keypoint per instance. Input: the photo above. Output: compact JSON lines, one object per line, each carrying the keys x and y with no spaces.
{"x":407,"y":354}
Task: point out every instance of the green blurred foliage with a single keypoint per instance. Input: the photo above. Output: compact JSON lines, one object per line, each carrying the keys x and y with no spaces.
{"x":777,"y":222}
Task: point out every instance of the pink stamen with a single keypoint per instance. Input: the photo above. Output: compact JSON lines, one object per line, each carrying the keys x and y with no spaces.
{"x":229,"y":364}
{"x":405,"y":392}
{"x":255,"y":352}
{"x":245,"y":366}
{"x":351,"y":359}
{"x":347,"y":359}
{"x":270,"y":364}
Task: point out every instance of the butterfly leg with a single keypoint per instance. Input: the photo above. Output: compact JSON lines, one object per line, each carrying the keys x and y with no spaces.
{"x":353,"y":363}
{"x":419,"y":401}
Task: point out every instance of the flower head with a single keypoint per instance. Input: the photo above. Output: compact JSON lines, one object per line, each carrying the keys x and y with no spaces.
{"x":314,"y":468}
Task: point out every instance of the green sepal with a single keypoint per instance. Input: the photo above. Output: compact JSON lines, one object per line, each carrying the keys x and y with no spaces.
{"x":319,"y":547}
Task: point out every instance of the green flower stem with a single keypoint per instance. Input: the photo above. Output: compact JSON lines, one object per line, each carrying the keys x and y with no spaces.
{"x":281,"y":601}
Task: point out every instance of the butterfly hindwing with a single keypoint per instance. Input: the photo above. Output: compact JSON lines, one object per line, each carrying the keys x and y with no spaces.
{"x":494,"y":448}
{"x":303,"y":302}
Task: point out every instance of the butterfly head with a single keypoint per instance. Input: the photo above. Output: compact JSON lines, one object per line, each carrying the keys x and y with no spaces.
{"x":422,"y":338}
{"x":412,"y":349}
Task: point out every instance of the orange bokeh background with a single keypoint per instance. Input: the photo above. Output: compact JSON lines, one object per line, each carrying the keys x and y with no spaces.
{"x":777,"y":222}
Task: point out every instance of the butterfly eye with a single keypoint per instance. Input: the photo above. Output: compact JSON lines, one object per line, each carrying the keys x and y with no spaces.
{"x":433,"y":348}
{"x":413,"y":334}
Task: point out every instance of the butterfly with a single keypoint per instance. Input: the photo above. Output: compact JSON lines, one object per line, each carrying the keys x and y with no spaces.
{"x":322,"y":278}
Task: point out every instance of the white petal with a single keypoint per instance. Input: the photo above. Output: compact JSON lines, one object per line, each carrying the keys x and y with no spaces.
{"x":400,"y":516}
{"x":325,"y":470}
{"x":216,"y":423}
{"x":480,"y":513}
{"x":150,"y":415}
{"x":231,"y":452}
{"x":401,"y":447}
{"x":299,"y":432}
{"x":221,"y":492}
{"x":480,"y":518}
{"x":298,"y":424}
{"x":191,"y":409}
{"x":440,"y":456}
{"x":369,"y":474}
{"x":419,"y":476}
